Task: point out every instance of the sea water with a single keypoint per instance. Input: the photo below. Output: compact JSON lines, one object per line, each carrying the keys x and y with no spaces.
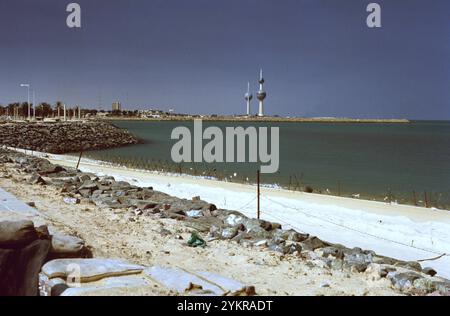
{"x":407,"y":163}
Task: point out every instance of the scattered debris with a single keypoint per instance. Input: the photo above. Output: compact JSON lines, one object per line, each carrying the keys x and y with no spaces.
{"x":196,"y":241}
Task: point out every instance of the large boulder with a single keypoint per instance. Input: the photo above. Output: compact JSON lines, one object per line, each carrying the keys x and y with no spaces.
{"x":290,"y":235}
{"x":312,"y":243}
{"x":403,"y":280}
{"x":357,"y":259}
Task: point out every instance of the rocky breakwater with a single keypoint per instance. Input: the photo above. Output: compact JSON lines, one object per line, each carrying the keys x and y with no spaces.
{"x":213,"y":224}
{"x":64,"y":137}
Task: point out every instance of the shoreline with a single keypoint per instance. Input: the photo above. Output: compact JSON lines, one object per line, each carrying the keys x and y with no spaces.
{"x":165,"y":169}
{"x":235,"y":185}
{"x":399,"y":231}
{"x":259,"y":119}
{"x":70,"y":160}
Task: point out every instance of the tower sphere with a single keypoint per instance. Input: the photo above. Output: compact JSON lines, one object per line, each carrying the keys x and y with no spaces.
{"x":261,"y":95}
{"x":261,"y":81}
{"x":248,"y":96}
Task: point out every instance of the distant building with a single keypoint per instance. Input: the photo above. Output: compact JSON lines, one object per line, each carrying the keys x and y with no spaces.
{"x":116,"y":106}
{"x":102,"y":114}
{"x":151,"y":113}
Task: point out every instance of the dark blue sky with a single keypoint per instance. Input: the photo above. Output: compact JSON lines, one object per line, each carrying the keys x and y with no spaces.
{"x":319,"y":57}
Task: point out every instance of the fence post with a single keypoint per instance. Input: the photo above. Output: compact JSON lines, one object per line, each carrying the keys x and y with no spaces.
{"x":79,"y":159}
{"x":258,"y":193}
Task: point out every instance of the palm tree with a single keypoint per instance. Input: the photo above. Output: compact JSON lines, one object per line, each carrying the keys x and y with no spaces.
{"x":23,"y":109}
{"x":59,"y":108}
{"x":44,"y":110}
{"x":11,"y":108}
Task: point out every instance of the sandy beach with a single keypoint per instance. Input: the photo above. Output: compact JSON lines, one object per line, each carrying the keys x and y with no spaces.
{"x":399,"y":231}
{"x":161,"y":241}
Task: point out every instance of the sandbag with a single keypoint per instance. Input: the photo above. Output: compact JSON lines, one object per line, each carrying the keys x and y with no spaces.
{"x":14,"y":235}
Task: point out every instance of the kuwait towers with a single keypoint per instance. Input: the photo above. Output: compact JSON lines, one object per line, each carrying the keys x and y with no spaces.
{"x":248,"y":97}
{"x":261,"y":95}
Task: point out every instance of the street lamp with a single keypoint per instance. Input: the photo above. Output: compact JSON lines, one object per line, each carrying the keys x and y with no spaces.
{"x":34,"y":106}
{"x":27,"y":85}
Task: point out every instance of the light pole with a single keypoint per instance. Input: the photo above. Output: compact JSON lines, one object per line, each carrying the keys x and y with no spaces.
{"x":27,"y":85}
{"x":34,"y":106}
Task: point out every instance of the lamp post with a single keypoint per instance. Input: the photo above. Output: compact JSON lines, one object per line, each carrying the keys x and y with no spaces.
{"x":34,"y":106}
{"x":27,"y":85}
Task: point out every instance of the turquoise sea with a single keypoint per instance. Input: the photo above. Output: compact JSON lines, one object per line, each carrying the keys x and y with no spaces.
{"x":408,"y":163}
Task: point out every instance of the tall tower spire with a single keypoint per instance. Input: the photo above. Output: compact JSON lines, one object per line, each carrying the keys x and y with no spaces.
{"x":261,"y":94}
{"x":248,"y":97}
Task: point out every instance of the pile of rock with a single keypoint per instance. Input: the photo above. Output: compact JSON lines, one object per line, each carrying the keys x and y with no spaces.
{"x":406,"y":276}
{"x":204,"y":217}
{"x":24,"y":249}
{"x":64,"y":137}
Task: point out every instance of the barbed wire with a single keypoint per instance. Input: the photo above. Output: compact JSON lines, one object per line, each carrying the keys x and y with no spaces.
{"x":248,"y":203}
{"x":354,"y":229}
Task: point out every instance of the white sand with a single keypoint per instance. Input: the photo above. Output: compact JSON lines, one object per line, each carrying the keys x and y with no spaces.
{"x":138,"y":239}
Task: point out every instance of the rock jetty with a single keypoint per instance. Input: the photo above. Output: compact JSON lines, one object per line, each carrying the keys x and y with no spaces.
{"x":212,"y":223}
{"x":64,"y":137}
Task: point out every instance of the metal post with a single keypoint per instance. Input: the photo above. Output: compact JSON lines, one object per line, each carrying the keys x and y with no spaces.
{"x":79,"y":159}
{"x":258,"y":194}
{"x":29,"y":107}
{"x":27,"y":85}
{"x":34,"y":105}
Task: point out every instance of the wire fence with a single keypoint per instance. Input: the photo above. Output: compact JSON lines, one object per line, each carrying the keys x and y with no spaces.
{"x":346,"y":227}
{"x":295,"y":182}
